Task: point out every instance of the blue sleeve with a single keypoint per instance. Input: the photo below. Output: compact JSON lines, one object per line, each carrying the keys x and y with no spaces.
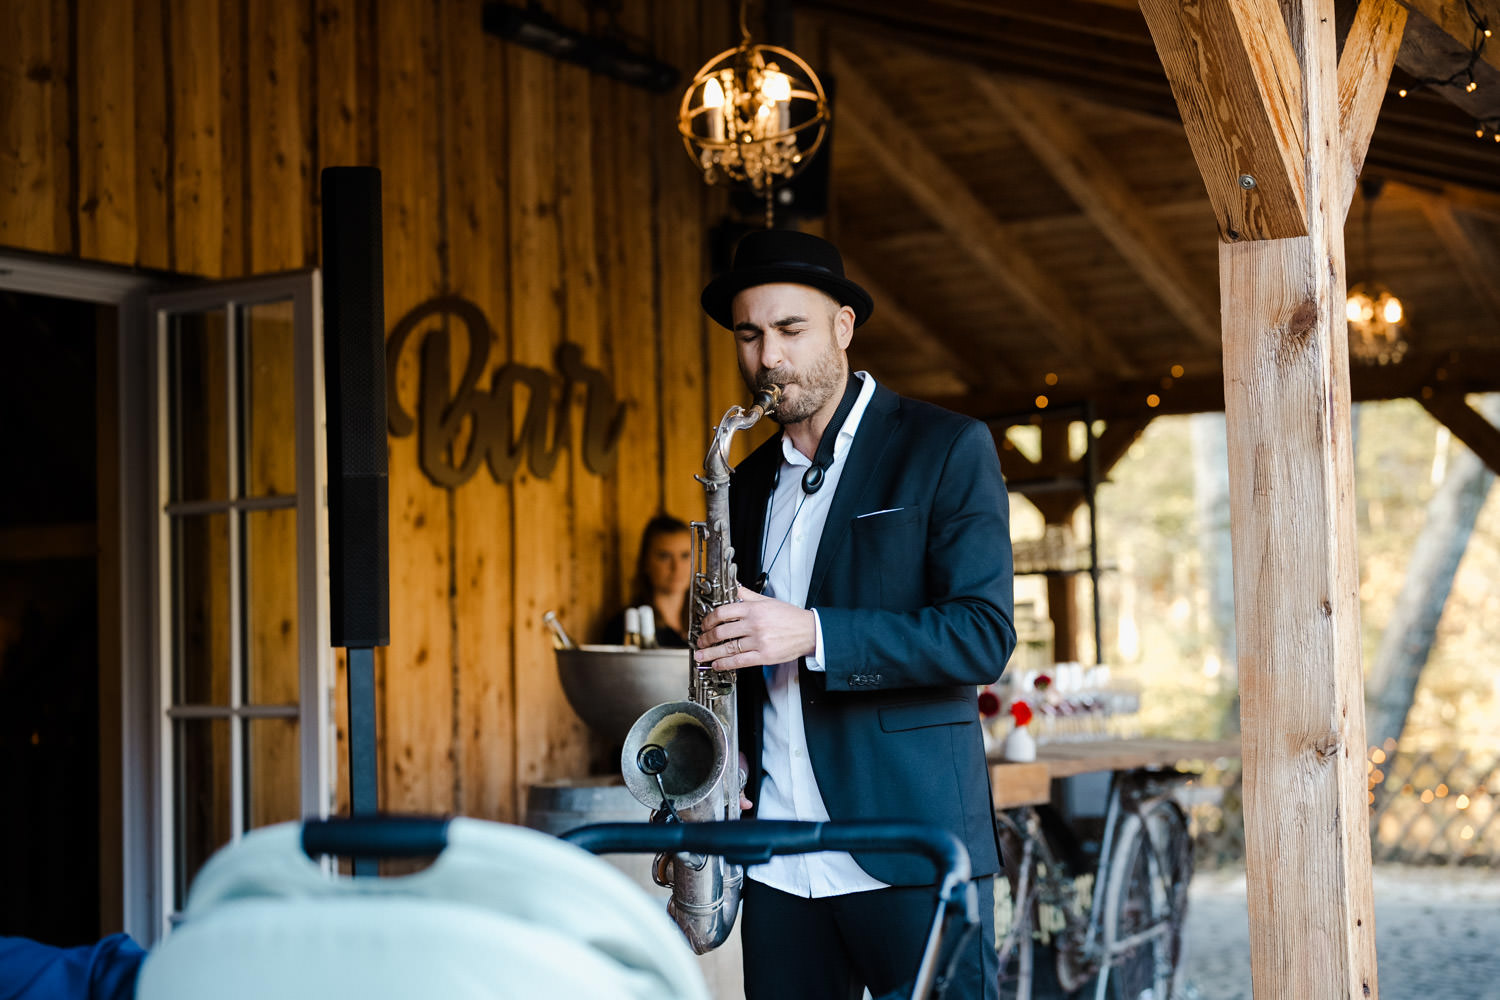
{"x":30,"y":970}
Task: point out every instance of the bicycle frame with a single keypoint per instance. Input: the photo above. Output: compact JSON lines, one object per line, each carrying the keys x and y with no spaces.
{"x":1081,"y":943}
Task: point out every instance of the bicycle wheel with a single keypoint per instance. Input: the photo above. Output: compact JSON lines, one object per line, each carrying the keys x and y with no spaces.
{"x":1015,"y":905}
{"x":1146,"y":901}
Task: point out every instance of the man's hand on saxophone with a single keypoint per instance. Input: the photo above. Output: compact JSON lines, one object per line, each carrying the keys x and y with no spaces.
{"x":755,"y":631}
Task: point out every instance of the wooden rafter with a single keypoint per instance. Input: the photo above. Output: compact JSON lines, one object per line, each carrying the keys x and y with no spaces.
{"x":1481,"y":204}
{"x":925,"y":342}
{"x":1082,"y":170}
{"x":1473,"y":255}
{"x":1235,"y":76}
{"x":1468,"y":425}
{"x":949,"y":202}
{"x":1115,"y":442}
{"x":1364,"y":69}
{"x":1454,"y":20}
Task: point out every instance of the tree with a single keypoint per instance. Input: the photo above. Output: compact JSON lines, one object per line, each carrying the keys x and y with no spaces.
{"x":1412,"y":626}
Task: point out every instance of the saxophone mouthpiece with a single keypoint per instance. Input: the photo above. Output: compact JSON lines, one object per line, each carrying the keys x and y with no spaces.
{"x":768,"y":398}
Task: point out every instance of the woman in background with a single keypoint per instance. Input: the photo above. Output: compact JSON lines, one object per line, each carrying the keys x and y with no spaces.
{"x":663,"y":572}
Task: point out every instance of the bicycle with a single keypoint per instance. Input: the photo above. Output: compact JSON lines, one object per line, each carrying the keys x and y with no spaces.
{"x":1119,"y":924}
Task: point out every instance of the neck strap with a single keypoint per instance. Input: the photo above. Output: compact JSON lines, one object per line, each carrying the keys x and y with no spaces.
{"x":812,"y":479}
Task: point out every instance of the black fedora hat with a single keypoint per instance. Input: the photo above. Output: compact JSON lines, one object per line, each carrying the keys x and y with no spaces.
{"x":768,"y":256}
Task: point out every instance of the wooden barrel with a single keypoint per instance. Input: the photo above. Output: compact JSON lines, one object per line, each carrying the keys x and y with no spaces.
{"x":556,"y":807}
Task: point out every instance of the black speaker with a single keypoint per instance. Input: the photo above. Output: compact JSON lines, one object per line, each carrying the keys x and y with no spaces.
{"x":354,"y":374}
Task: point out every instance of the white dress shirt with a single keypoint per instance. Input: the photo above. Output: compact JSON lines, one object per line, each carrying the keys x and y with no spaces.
{"x":789,"y":789}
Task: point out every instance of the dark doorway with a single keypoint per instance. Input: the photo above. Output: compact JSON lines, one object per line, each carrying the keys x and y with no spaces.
{"x":49,"y":619}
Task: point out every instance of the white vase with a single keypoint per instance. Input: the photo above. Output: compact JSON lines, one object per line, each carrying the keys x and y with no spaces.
{"x":1019,"y":746}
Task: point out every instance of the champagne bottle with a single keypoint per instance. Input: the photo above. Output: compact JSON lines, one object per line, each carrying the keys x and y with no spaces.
{"x":648,"y":627}
{"x":560,"y":637}
{"x":633,"y":628}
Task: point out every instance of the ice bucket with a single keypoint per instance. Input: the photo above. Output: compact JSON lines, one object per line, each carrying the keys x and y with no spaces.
{"x":611,"y":686}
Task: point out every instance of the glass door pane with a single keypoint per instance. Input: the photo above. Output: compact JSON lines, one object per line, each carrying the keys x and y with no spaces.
{"x":243,"y":673}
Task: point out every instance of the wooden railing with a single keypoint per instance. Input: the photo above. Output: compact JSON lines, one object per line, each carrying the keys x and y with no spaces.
{"x":1438,"y":806}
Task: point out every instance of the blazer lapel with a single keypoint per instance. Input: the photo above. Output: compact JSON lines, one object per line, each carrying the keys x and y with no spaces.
{"x":870,"y":439}
{"x":752,"y":484}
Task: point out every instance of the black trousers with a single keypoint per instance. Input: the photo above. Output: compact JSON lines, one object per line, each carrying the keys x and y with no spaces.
{"x":834,"y":947}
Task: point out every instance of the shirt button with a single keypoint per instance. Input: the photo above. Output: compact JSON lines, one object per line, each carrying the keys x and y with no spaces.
{"x":797,"y":754}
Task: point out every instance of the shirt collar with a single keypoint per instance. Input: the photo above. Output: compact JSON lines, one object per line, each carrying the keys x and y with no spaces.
{"x":792,"y":456}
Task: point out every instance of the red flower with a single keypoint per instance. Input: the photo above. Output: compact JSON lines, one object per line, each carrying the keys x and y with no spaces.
{"x":1043,"y":682}
{"x":1021,"y":712}
{"x":989,"y":704}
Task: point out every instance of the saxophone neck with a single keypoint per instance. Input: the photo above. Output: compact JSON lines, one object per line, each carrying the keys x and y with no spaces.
{"x":716,"y":462}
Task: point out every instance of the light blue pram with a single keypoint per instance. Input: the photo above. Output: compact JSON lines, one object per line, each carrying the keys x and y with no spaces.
{"x":503,"y":911}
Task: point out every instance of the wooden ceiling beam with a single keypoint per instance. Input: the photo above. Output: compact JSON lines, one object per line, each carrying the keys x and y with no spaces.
{"x":1474,"y":255}
{"x":1238,"y":86}
{"x":1095,"y":185}
{"x":1119,"y":434}
{"x":1453,"y":18}
{"x":1416,"y":376}
{"x":949,"y":202}
{"x":1437,"y":43}
{"x":974,"y":373}
{"x":1062,"y":27}
{"x":1364,"y":70}
{"x":1468,"y":425}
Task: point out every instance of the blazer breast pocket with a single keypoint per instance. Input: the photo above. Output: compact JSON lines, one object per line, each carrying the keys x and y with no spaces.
{"x":890,"y":546}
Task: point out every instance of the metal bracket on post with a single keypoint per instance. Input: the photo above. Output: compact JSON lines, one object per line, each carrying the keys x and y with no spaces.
{"x":363,"y":784}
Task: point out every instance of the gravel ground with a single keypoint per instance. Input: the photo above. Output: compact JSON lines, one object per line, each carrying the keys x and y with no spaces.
{"x":1437,"y":935}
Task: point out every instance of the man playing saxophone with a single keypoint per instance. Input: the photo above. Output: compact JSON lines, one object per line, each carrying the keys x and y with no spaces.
{"x":873,"y":548}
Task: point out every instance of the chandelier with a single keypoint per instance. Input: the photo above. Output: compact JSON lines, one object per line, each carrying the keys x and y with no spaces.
{"x":1377,"y":324}
{"x":753,"y":115}
{"x":1377,"y":320}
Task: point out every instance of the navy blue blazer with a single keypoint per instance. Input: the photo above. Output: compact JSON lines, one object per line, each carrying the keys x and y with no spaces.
{"x":913,"y":585}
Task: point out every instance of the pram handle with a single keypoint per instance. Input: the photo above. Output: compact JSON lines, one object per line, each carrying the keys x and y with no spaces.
{"x":375,"y":836}
{"x":754,"y":841}
{"x":749,"y":842}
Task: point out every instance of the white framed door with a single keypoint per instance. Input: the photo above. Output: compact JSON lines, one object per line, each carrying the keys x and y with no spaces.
{"x":241,"y":685}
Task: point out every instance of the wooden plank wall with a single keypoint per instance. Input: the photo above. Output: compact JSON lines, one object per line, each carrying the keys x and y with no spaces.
{"x":188,"y":137}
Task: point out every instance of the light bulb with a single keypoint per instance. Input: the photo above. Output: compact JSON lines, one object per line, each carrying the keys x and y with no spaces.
{"x":1401,"y":92}
{"x":713,"y":93}
{"x":776,"y":86}
{"x":1352,"y":309}
{"x":1392,"y":310}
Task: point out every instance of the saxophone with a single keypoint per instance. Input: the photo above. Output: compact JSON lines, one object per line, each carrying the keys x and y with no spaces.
{"x":682,"y":758}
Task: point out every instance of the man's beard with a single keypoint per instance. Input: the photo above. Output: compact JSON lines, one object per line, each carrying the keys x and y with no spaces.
{"x":816,"y":384}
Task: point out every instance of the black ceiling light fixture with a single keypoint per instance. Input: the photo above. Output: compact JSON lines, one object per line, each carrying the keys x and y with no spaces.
{"x":534,"y":28}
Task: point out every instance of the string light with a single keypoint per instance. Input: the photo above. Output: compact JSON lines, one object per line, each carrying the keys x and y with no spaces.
{"x":1041,"y":402}
{"x":1050,"y":378}
{"x":1464,"y":75}
{"x":1177,"y":371}
{"x":1153,"y":400}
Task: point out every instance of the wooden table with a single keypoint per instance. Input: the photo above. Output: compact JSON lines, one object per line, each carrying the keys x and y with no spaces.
{"x":1030,"y":784}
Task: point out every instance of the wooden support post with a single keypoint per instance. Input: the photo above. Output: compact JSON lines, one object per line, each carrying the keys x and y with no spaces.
{"x":1286,"y":389}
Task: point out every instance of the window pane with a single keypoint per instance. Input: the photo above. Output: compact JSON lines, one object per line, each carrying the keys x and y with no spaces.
{"x":270,"y":590}
{"x":201,"y":765}
{"x":199,"y":422}
{"x":200,"y":626}
{"x":268,"y":400}
{"x":273,"y":786}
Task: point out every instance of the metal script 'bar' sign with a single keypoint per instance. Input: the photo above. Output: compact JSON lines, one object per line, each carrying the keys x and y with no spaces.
{"x":495,"y":437}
